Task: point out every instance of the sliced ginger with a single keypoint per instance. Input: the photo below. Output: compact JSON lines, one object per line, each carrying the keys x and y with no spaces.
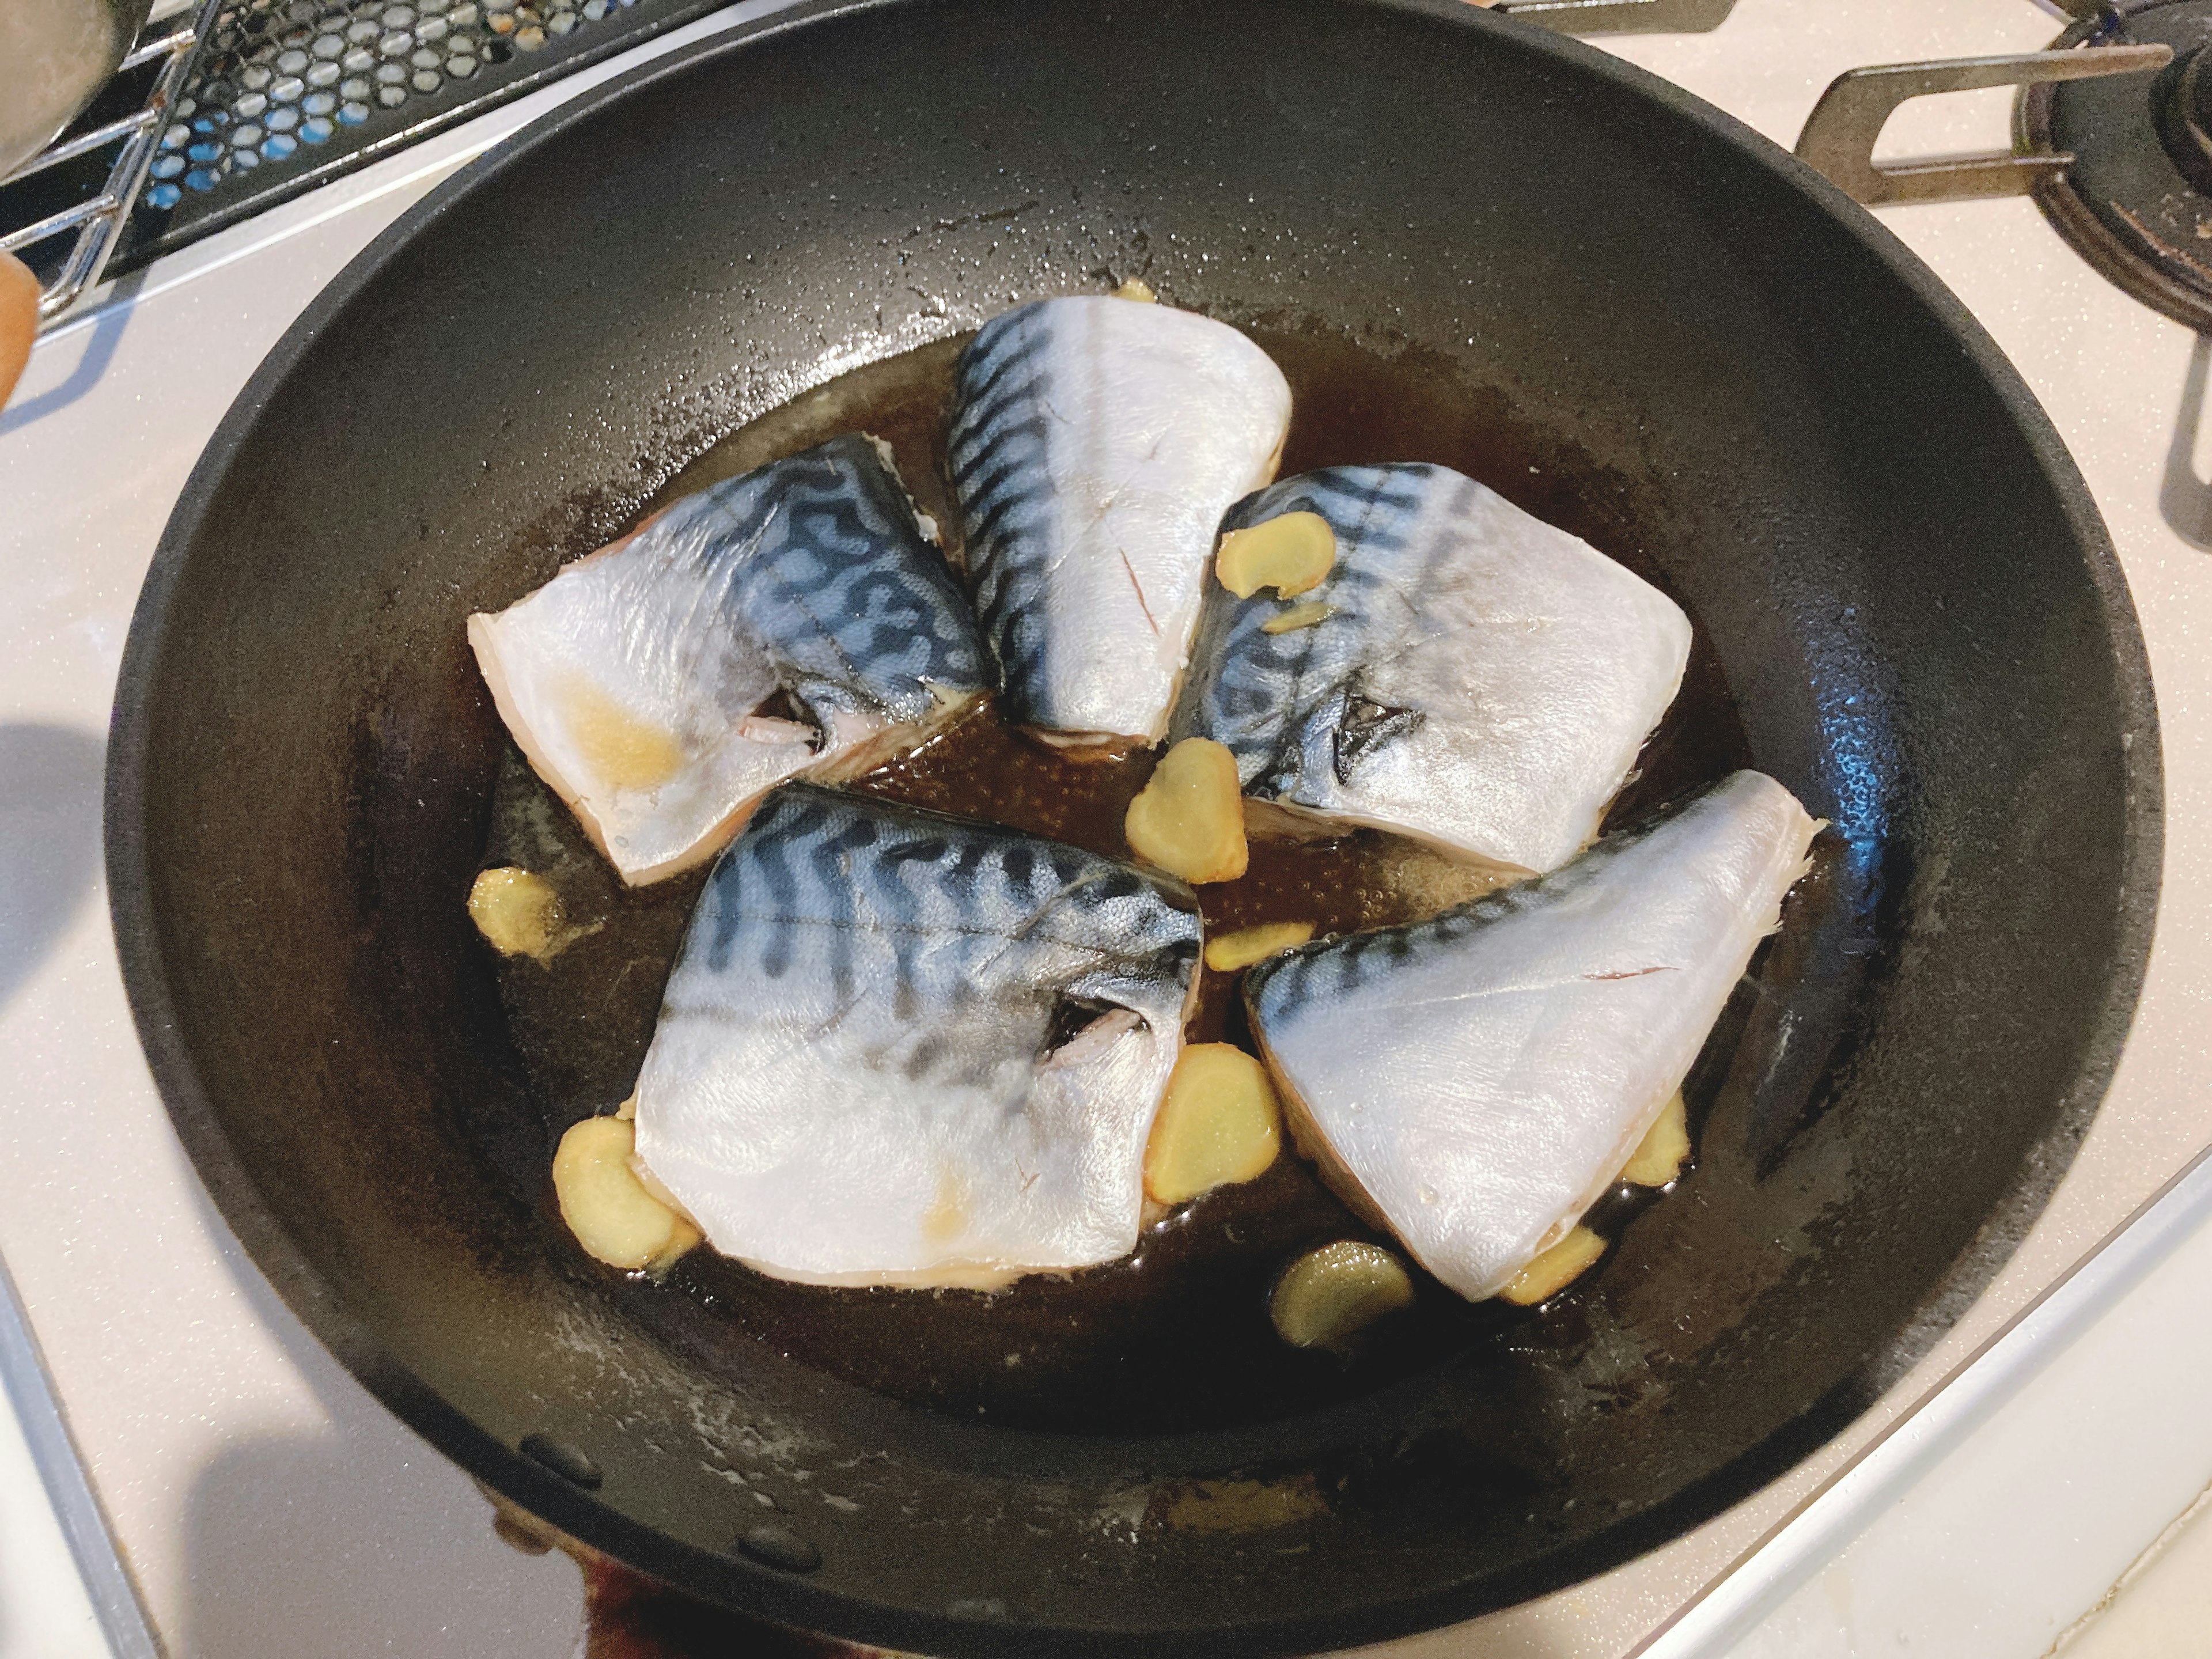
{"x":1290,"y":553}
{"x":1557,"y":1268}
{"x":1231,"y":952}
{"x":1659,"y":1158}
{"x":1189,"y":819}
{"x":1328,"y":1295}
{"x":519,"y":913}
{"x":1220,"y":1124}
{"x":608,"y":1208}
{"x":1136,"y":287}
{"x":1305,"y":614}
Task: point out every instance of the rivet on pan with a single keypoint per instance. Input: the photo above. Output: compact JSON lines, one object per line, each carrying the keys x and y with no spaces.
{"x":775,"y":1546}
{"x":563,"y":1459}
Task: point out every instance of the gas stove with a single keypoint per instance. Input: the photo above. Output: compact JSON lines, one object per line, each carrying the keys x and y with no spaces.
{"x":224,"y":1488}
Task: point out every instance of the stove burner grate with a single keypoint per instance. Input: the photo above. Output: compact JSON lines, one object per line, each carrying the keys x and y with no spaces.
{"x":2136,"y":202}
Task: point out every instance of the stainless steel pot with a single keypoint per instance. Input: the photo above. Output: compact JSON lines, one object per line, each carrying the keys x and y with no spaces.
{"x":55,"y":55}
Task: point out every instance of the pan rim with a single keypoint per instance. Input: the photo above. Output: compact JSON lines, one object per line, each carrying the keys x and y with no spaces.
{"x":350,"y":1337}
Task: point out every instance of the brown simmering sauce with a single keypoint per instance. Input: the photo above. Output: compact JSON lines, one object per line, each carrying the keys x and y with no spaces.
{"x":1176,"y":1336}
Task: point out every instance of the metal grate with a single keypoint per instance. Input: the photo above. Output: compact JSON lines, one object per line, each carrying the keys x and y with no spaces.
{"x":245,"y":103}
{"x":64,"y":193}
{"x":287,"y":94}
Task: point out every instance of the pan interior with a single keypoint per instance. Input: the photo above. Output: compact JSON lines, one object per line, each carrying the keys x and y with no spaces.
{"x":1471,"y":242}
{"x":1176,"y":1337}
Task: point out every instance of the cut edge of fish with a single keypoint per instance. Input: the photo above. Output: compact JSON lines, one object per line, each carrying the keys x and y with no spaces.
{"x":986,"y":1278}
{"x":483,"y":643}
{"x":1305,"y":1135}
{"x":885,"y":744}
{"x":1088,"y":746}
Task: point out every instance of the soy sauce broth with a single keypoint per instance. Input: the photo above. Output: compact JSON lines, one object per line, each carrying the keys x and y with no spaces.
{"x":1176,"y":1336}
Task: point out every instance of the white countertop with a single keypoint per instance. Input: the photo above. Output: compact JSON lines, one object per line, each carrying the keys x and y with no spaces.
{"x":268,"y":1506}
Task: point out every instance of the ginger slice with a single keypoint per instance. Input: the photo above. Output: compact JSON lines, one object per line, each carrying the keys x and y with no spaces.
{"x":1328,"y":1295}
{"x":1229,"y":951}
{"x":1291,"y":553}
{"x":1189,"y":819}
{"x":1219,"y":1123}
{"x":1557,"y":1268}
{"x":609,"y":1209}
{"x":1305,"y":614}
{"x":1136,"y":287}
{"x":1245,"y":1506}
{"x":518,"y":913}
{"x":1659,"y":1158}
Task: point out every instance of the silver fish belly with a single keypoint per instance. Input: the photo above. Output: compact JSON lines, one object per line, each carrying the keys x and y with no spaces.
{"x":790,"y":620}
{"x":1475,"y":1082}
{"x":903,"y":1049}
{"x":1482,"y":681}
{"x":1095,"y":444}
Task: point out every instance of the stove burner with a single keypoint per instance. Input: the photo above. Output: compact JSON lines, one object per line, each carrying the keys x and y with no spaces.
{"x":2138,"y":201}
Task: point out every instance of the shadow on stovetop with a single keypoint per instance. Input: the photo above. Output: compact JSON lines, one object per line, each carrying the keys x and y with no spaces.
{"x":2185,"y":500}
{"x":347,"y":1536}
{"x":320,"y":1526}
{"x":50,"y":782}
{"x":93,"y":358}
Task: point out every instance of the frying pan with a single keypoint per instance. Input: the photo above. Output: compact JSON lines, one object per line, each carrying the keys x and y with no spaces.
{"x":1630,"y":312}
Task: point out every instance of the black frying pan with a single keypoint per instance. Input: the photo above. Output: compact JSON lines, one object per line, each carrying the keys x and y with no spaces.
{"x":1611,"y":301}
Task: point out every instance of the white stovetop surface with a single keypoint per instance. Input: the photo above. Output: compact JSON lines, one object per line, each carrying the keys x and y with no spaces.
{"x":267,"y":1506}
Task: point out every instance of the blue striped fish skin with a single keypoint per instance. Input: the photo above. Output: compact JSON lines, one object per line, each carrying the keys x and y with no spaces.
{"x":863,"y":1072}
{"x":1094,"y":443}
{"x":1474,"y":1082}
{"x":821,"y":563}
{"x":1483,"y":682}
{"x":638,"y":680}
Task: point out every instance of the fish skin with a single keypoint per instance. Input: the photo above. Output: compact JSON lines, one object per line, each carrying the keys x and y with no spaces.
{"x":1475,"y":1082}
{"x":1096,"y":442}
{"x":850,"y":1083}
{"x":810,"y":577}
{"x":1483,"y":683}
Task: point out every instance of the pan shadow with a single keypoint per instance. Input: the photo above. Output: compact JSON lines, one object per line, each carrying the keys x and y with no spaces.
{"x":354,"y":1537}
{"x":50,"y":783}
{"x":2184,"y":501}
{"x":301,"y":1547}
